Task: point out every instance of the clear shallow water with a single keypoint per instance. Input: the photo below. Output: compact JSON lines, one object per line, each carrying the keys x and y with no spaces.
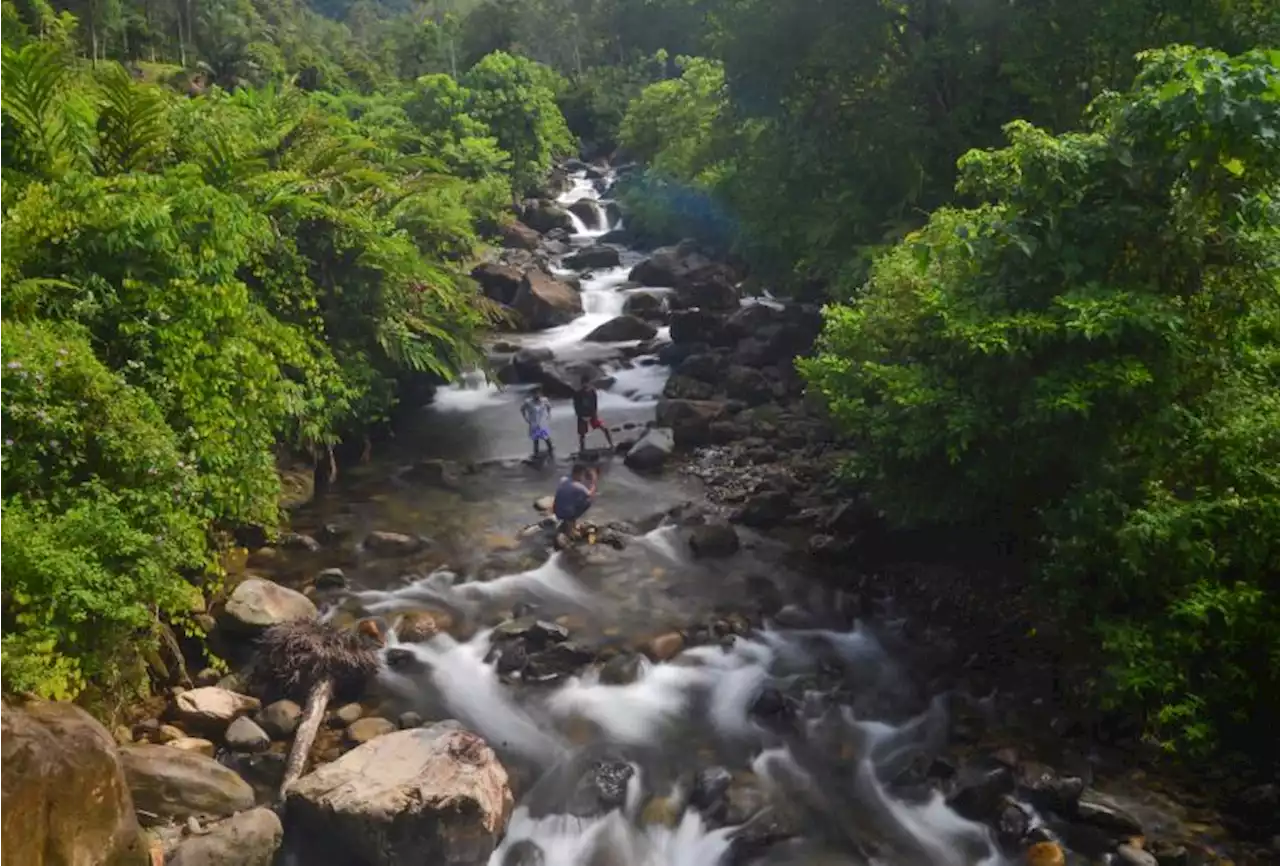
{"x":819,"y":763}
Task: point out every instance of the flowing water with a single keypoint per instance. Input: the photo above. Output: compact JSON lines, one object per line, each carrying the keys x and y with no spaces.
{"x":787,"y":714}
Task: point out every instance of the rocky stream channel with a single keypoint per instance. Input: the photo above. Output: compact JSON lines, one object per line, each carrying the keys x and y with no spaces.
{"x":730,"y":674}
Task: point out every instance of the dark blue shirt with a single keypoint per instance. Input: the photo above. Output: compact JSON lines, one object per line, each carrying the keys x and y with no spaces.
{"x":572,"y":499}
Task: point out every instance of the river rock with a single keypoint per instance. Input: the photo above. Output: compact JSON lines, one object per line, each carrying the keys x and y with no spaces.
{"x":330,"y":578}
{"x":703,"y":367}
{"x":557,"y":662}
{"x":689,"y":420}
{"x":591,"y":215}
{"x":422,"y":625}
{"x":748,"y":385}
{"x":665,"y":647}
{"x":212,"y":708}
{"x":409,"y":719}
{"x":1104,"y":812}
{"x":765,"y":509}
{"x":592,"y":258}
{"x":248,"y":839}
{"x":518,"y":236}
{"x":195,"y":745}
{"x":382,"y":543}
{"x":244,"y":735}
{"x":545,"y":216}
{"x":171,"y":783}
{"x":256,"y":604}
{"x":545,"y":302}
{"x":429,"y":795}
{"x":499,"y":282}
{"x":363,"y":730}
{"x":668,"y":267}
{"x":621,"y":670}
{"x":696,"y":326}
{"x":652,"y":450}
{"x":1131,"y":855}
{"x":979,"y":791}
{"x":709,"y":289}
{"x":280,"y":719}
{"x":1047,"y":791}
{"x":1046,"y":854}
{"x":66,"y":800}
{"x":679,"y":387}
{"x":601,"y":789}
{"x":347,"y":714}
{"x":622,"y":329}
{"x":645,"y":305}
{"x":713,"y":539}
{"x":296,"y":541}
{"x":535,"y":632}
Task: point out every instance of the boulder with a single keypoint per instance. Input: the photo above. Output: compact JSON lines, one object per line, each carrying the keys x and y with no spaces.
{"x":422,"y":625}
{"x":66,"y":800}
{"x":621,"y":670}
{"x":381,"y":543}
{"x":711,"y":288}
{"x":244,"y":735}
{"x":669,"y":266}
{"x":545,"y":216}
{"x":652,"y":450}
{"x":1106,"y":813}
{"x":195,"y":745}
{"x":212,"y":708}
{"x":593,"y":258}
{"x":713,"y":539}
{"x":979,"y":791}
{"x":329,"y":579}
{"x":280,"y":719}
{"x":622,"y":329}
{"x":557,"y":661}
{"x":689,"y":420}
{"x":533,"y":631}
{"x":665,"y":647}
{"x":427,"y":795}
{"x":545,"y":302}
{"x":298,"y":542}
{"x":748,"y":385}
{"x":499,"y":282}
{"x":256,"y":604}
{"x":248,"y":839}
{"x":590,"y":212}
{"x":765,"y":509}
{"x":363,"y":730}
{"x":645,"y":305}
{"x":518,"y":236}
{"x":696,"y":326}
{"x":679,"y":387}
{"x":170,"y":783}
{"x":705,"y":367}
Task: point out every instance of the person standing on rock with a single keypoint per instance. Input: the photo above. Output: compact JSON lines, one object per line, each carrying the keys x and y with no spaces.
{"x":536,"y":411}
{"x":586,"y":405}
{"x":573,"y":497}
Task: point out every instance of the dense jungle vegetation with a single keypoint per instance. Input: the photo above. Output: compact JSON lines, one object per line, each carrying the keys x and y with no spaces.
{"x":1048,"y":233}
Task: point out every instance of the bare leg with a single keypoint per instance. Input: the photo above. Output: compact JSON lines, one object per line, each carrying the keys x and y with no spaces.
{"x":608,"y":437}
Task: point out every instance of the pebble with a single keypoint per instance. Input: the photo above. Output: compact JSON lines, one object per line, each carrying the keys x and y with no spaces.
{"x":244,"y":735}
{"x":409,"y":720}
{"x":280,"y":719}
{"x":331,"y":578}
{"x":193,"y":744}
{"x":665,"y":647}
{"x":347,"y":714}
{"x":363,"y":730}
{"x":1134,"y":856}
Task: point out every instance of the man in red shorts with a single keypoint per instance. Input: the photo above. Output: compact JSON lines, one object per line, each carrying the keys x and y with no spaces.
{"x":586,"y":405}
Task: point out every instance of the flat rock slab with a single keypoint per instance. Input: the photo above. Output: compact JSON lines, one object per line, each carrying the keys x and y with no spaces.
{"x":172,"y":783}
{"x":434,"y":795}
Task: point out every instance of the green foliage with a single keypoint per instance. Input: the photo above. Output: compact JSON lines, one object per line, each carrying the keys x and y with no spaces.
{"x":1095,"y":351}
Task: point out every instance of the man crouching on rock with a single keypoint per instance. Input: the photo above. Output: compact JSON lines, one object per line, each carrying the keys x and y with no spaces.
{"x":573,"y":497}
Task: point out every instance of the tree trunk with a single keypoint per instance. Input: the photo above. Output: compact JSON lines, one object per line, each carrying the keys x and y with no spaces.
{"x":308,"y":727}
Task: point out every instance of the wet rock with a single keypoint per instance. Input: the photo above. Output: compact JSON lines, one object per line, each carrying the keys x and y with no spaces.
{"x":167,"y":734}
{"x":594,"y":257}
{"x":1043,"y":788}
{"x":545,"y":302}
{"x":748,"y":385}
{"x":1046,"y":854}
{"x":665,"y":647}
{"x":714,"y":539}
{"x":794,"y":616}
{"x":146,"y":729}
{"x":828,"y":548}
{"x":557,"y":662}
{"x":212,"y":708}
{"x":195,"y":745}
{"x":524,"y":852}
{"x":766,"y":509}
{"x":280,"y":719}
{"x":428,"y":795}
{"x":509,"y":657}
{"x":979,"y":791}
{"x":696,"y":327}
{"x":1013,"y":823}
{"x":248,"y":839}
{"x":621,"y":329}
{"x":544,"y":216}
{"x":422,"y":625}
{"x":679,"y":387}
{"x":536,"y":633}
{"x":66,"y":800}
{"x":544,"y":504}
{"x":409,"y":720}
{"x":206,"y":677}
{"x":645,"y":305}
{"x":362,"y":731}
{"x":167,"y":783}
{"x":1131,"y":855}
{"x":332,"y":533}
{"x":710,"y":793}
{"x":381,"y":543}
{"x":244,"y":735}
{"x":518,"y":236}
{"x":666,"y":266}
{"x":621,"y":670}
{"x":771,"y":704}
{"x":592,"y":217}
{"x":689,"y":420}
{"x":256,"y":604}
{"x":652,"y":450}
{"x":298,"y":542}
{"x":602,"y":789}
{"x":330,"y":579}
{"x":1104,"y":812}
{"x":704,"y":367}
{"x":710,"y":288}
{"x":348,"y":714}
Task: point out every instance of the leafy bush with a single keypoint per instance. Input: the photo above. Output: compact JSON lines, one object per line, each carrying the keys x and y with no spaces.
{"x":1094,"y":353}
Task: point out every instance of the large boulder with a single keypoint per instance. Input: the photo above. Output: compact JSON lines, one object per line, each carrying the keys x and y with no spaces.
{"x":499,"y":282}
{"x":66,"y":801}
{"x":690,"y":420}
{"x":710,"y":288}
{"x":704,"y":366}
{"x":212,"y":708}
{"x":696,"y":326}
{"x":669,"y":266}
{"x":518,"y":236}
{"x":172,"y":783}
{"x":622,"y":329}
{"x":545,"y":216}
{"x":426,"y":795}
{"x":592,"y":258}
{"x":589,"y":212}
{"x":645,"y":305}
{"x":256,"y":604}
{"x":652,"y":450}
{"x":748,"y":385}
{"x":248,"y":839}
{"x":545,"y":302}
